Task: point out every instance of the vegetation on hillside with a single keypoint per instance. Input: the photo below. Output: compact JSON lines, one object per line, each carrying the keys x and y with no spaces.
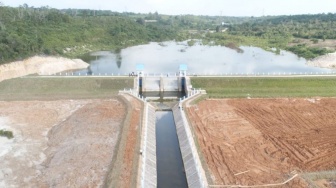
{"x":26,"y":31}
{"x":280,"y":31}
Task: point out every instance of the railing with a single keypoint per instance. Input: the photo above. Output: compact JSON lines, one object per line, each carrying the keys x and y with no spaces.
{"x":133,"y":93}
{"x":277,"y":73}
{"x":192,"y":93}
{"x":160,"y":74}
{"x":242,"y":74}
{"x":83,"y":74}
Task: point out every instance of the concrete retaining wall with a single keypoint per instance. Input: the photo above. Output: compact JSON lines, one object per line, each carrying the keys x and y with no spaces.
{"x":149,"y":172}
{"x":160,"y":84}
{"x":192,"y":165}
{"x":170,"y":84}
{"x":187,"y":86}
{"x":150,"y":84}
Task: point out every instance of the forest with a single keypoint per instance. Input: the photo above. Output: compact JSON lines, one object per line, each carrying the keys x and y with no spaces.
{"x":26,"y":31}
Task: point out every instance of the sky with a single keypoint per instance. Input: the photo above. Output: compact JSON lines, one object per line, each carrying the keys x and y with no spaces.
{"x":195,"y":7}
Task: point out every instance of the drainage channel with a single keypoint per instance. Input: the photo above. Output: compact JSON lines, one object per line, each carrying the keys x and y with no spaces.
{"x":170,"y":168}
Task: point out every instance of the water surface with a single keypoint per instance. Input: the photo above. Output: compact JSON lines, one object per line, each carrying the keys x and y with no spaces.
{"x":166,"y":57}
{"x":170,"y":168}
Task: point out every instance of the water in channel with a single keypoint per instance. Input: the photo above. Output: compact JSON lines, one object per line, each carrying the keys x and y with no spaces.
{"x":170,"y":168}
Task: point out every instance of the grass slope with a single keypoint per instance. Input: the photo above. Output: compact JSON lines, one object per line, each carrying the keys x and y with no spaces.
{"x":267,"y":87}
{"x":44,"y":88}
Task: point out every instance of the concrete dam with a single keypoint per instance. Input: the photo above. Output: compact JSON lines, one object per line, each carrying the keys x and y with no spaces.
{"x":162,"y":84}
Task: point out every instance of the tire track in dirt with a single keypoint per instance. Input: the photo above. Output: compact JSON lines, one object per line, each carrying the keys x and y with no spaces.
{"x":304,"y":128}
{"x":268,"y":138}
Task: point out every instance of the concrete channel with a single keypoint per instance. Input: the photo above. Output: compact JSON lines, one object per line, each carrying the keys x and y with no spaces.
{"x":169,"y":154}
{"x":175,"y":141}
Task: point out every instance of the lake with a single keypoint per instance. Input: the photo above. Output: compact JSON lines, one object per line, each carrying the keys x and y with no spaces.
{"x":201,"y":60}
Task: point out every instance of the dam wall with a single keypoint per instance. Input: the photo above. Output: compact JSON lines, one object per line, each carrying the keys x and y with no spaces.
{"x":150,"y":84}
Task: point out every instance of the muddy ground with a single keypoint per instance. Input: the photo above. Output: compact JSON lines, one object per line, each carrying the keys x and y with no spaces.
{"x":63,"y":143}
{"x":263,"y":141}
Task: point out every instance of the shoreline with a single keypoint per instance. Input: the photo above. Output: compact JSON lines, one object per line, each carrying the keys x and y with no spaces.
{"x":324,"y":61}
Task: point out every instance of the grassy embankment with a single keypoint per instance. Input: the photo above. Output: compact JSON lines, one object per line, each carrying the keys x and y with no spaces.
{"x":267,"y":87}
{"x":34,"y":88}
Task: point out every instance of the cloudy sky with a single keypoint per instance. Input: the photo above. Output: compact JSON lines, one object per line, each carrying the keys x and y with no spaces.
{"x":196,"y":7}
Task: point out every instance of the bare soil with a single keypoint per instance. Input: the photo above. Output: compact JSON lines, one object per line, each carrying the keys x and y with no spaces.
{"x":328,"y":43}
{"x":39,"y":65}
{"x":324,"y":61}
{"x":64,"y":143}
{"x":263,"y":141}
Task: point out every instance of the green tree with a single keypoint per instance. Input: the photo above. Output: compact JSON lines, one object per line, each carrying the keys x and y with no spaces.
{"x":140,"y":21}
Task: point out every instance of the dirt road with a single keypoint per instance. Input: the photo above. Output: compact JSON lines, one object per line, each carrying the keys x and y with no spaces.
{"x":65,"y":143}
{"x":261,"y":141}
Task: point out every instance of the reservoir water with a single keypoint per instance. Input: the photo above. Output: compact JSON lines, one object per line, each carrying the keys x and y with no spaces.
{"x":167,"y":56}
{"x":170,"y":168}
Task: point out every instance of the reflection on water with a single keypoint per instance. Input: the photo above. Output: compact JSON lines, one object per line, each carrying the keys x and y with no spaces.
{"x":200,"y":59}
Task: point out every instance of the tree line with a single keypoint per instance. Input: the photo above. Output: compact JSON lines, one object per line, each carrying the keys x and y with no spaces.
{"x":26,"y":31}
{"x":280,"y":31}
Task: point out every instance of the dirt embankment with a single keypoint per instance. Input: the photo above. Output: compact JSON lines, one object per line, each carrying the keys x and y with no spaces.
{"x":325,"y":61}
{"x":124,"y":171}
{"x":39,"y":65}
{"x":66,"y":143}
{"x":262,"y":141}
